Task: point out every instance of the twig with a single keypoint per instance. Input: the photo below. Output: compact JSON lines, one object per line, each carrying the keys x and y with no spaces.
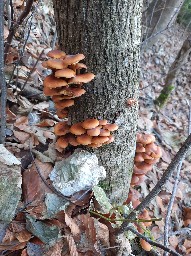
{"x":183,"y":231}
{"x":2,"y":77}
{"x":12,"y":31}
{"x":32,"y":70}
{"x":152,"y":242}
{"x":170,"y":205}
{"x":171,"y":168}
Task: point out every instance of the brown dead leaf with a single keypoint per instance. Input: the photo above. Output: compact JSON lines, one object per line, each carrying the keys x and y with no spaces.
{"x":23,"y":236}
{"x":174,"y":241}
{"x":46,"y":123}
{"x":21,"y":136}
{"x":34,"y":189}
{"x":24,"y":253}
{"x":166,"y":156}
{"x":160,"y":204}
{"x":72,"y":246}
{"x":55,"y":250}
{"x":70,"y":222}
{"x":49,"y":135}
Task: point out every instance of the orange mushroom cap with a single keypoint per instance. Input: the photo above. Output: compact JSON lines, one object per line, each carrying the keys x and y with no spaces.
{"x":104,"y":132}
{"x":111,"y":127}
{"x":152,"y":161}
{"x":64,"y":104}
{"x":143,"y":166}
{"x":61,"y":128}
{"x":99,"y":140}
{"x":54,"y":64}
{"x":139,"y":157}
{"x":62,"y":113}
{"x":62,"y":142}
{"x":111,"y":139}
{"x":138,"y":172}
{"x":77,"y":129}
{"x":56,"y":54}
{"x":145,"y":245}
{"x":72,"y":140}
{"x":81,"y":78}
{"x":90,"y":123}
{"x":140,"y":148}
{"x":50,"y":92}
{"x":84,"y":139}
{"x":95,"y":145}
{"x":137,"y":180}
{"x":145,"y":138}
{"x":72,"y":59}
{"x":53,"y":82}
{"x":103,"y":122}
{"x":66,"y":72}
{"x":94,"y":131}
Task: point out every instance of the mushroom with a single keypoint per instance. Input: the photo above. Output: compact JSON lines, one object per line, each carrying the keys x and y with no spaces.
{"x":66,"y":72}
{"x":54,"y":64}
{"x":73,"y":59}
{"x":145,"y":138}
{"x":140,"y":148}
{"x":56,"y":54}
{"x":62,"y":142}
{"x":143,"y":166}
{"x":139,"y":172}
{"x":139,"y":157}
{"x":53,"y":82}
{"x":111,"y":127}
{"x":145,"y":245}
{"x":61,"y":128}
{"x":62,"y":113}
{"x":77,"y":129}
{"x":64,"y":104}
{"x":103,"y":122}
{"x":84,"y":139}
{"x":94,"y":131}
{"x":99,"y":140}
{"x":81,"y":78}
{"x":137,"y":180}
{"x":104,"y":132}
{"x":72,"y":140}
{"x":90,"y":123}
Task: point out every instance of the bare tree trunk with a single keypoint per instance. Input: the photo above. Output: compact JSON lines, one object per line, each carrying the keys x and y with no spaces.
{"x":2,"y":76}
{"x":173,"y":72}
{"x":108,"y":34}
{"x":159,"y":16}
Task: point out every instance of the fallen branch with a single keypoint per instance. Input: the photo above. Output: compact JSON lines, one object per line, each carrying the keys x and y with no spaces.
{"x":171,"y":168}
{"x":13,"y":28}
{"x":166,"y":249}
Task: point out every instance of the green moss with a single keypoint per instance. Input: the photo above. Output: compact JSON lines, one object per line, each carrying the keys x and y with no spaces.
{"x":164,"y":96}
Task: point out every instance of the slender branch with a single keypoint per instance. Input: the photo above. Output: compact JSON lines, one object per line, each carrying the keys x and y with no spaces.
{"x":170,"y":205}
{"x":32,"y":70}
{"x":171,"y":168}
{"x":2,"y":76}
{"x":12,"y":31}
{"x":123,"y":219}
{"x":152,"y":242}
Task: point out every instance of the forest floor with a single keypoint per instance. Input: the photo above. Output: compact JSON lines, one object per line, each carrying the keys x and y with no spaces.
{"x":27,"y":106}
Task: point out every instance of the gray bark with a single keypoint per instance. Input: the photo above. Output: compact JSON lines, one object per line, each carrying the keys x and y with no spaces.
{"x":159,"y":16}
{"x":173,"y":72}
{"x":2,"y":76}
{"x":108,"y":34}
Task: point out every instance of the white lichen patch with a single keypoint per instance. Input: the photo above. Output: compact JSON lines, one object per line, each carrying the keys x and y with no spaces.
{"x":78,"y":172}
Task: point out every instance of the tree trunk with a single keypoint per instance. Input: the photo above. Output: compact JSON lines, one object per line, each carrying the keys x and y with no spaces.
{"x":108,"y":34}
{"x":173,"y":72}
{"x":159,"y":16}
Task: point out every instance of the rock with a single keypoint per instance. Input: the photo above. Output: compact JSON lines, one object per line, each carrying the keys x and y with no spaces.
{"x":78,"y":172}
{"x":10,"y":184}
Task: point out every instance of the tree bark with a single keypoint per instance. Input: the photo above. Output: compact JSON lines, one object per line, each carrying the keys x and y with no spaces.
{"x":159,"y":16}
{"x":108,"y":34}
{"x":173,"y":72}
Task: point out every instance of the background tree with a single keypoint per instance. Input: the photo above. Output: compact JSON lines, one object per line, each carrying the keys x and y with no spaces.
{"x":108,"y":34}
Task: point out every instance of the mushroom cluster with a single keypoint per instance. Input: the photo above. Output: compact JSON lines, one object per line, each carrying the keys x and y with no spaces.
{"x":147,"y":154}
{"x":92,"y":133}
{"x":65,"y":82}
